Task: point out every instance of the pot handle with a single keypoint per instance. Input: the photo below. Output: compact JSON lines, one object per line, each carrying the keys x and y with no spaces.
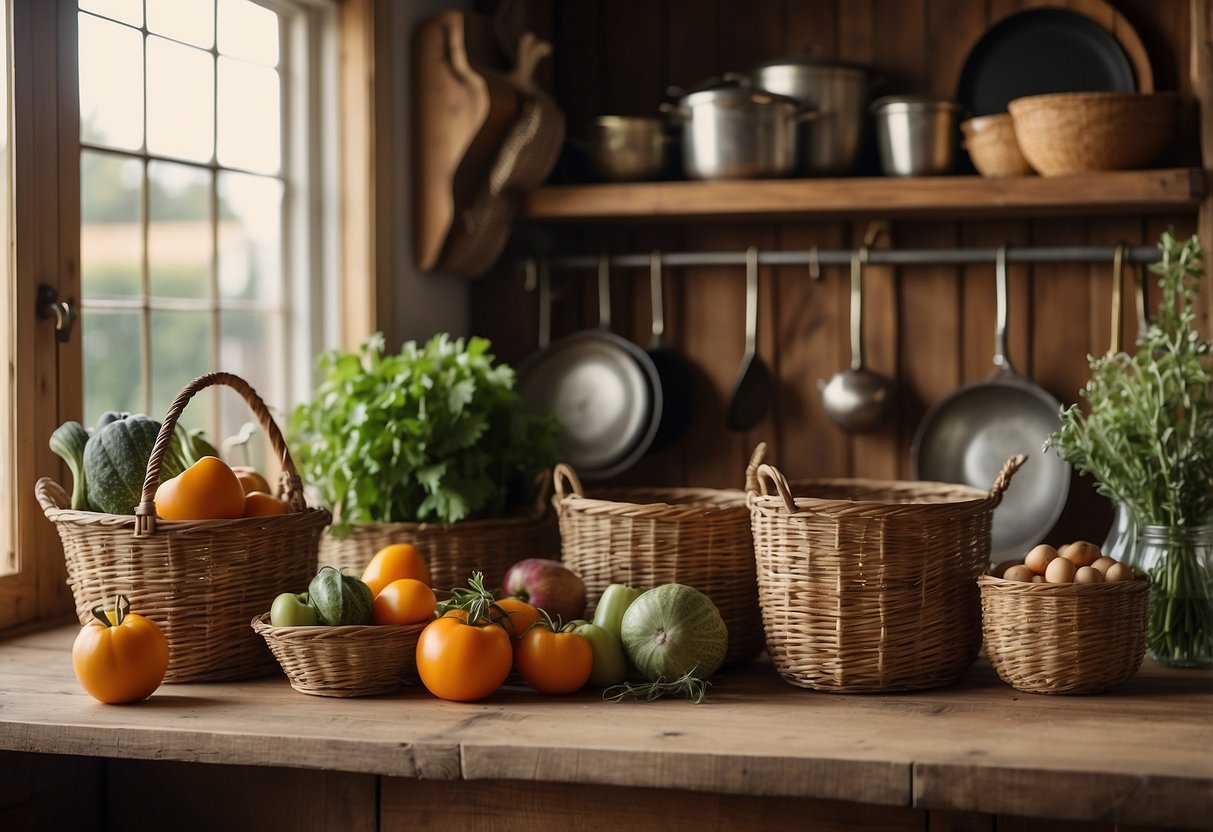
{"x":1003,"y":480}
{"x":806,"y":115}
{"x":770,"y":472}
{"x":566,"y":482}
{"x":673,"y":111}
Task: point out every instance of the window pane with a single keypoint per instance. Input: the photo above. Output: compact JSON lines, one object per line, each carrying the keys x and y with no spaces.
{"x":111,"y":240}
{"x":248,"y":31}
{"x":113,"y":364}
{"x":111,"y":84}
{"x":250,"y":237}
{"x":128,"y":11}
{"x":249,"y":116}
{"x":180,"y":353}
{"x":180,"y":100}
{"x":245,"y":339}
{"x":179,"y":236}
{"x":190,"y":21}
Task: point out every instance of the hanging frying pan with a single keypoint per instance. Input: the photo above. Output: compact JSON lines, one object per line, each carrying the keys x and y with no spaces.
{"x":677,"y":375}
{"x":966,"y":438}
{"x":603,"y":389}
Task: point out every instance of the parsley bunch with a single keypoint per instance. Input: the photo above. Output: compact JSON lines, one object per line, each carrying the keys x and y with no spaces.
{"x":435,"y":432}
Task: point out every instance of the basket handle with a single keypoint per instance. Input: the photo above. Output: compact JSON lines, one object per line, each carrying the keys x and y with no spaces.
{"x":50,"y":495}
{"x":1003,"y":480}
{"x":751,"y":470}
{"x":563,"y":477}
{"x":290,"y":486}
{"x":543,"y":489}
{"x":781,"y":484}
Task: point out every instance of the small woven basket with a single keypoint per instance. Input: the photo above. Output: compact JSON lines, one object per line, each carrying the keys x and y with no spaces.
{"x":199,"y":580}
{"x":990,"y":141}
{"x":644,"y":537}
{"x":1064,"y":638}
{"x":453,"y":550}
{"x":1078,"y":132}
{"x":869,"y":585}
{"x":344,"y":661}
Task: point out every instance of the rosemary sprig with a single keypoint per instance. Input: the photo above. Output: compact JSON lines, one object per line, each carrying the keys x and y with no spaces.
{"x":688,"y":685}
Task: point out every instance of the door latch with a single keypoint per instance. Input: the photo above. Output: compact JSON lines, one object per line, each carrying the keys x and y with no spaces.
{"x":64,"y":314}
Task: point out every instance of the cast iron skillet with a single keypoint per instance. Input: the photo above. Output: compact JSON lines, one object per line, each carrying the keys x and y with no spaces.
{"x":969,"y":435}
{"x":676,"y":374}
{"x":603,"y":389}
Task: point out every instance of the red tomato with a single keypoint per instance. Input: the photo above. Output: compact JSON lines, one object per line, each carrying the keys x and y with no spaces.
{"x":404,"y":601}
{"x":463,"y":662}
{"x":554,"y":662}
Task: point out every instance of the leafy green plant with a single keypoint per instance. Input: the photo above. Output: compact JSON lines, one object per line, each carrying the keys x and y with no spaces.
{"x":435,"y":432}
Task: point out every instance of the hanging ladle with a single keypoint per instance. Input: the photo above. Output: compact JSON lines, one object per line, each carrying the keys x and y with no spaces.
{"x":857,"y":399}
{"x":751,"y":397}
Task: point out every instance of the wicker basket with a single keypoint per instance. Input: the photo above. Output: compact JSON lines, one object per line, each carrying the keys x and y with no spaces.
{"x":344,"y":661}
{"x":200,"y":581}
{"x":1078,"y":132}
{"x":990,"y":141}
{"x":644,"y":537}
{"x":868,"y":585}
{"x":453,"y":550}
{"x":1064,"y":638}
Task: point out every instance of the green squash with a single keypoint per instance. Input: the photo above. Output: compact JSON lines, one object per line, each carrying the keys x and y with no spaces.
{"x":340,"y":599}
{"x":115,"y":462}
{"x":68,"y":441}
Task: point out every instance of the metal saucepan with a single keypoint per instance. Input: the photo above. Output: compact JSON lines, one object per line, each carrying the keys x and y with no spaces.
{"x":676,"y":374}
{"x":628,"y":148}
{"x":603,"y":389}
{"x":916,"y":135}
{"x":966,"y":438}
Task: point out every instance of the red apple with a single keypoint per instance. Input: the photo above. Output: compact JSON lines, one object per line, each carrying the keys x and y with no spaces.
{"x":549,"y":585}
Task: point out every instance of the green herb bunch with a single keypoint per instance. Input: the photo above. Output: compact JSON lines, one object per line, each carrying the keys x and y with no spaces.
{"x":1147,"y":439}
{"x":436,"y":432}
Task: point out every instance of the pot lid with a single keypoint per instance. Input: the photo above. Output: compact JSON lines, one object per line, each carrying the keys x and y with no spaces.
{"x":811,"y":61}
{"x":736,"y":94}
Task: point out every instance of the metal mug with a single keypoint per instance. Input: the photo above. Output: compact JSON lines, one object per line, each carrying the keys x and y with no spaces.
{"x":916,"y":135}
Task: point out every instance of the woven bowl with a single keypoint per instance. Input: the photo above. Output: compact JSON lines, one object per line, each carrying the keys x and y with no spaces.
{"x":344,"y":661}
{"x":1078,"y":132}
{"x":1064,"y":638}
{"x":990,"y":141}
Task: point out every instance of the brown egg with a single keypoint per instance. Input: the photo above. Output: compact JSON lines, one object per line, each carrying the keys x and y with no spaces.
{"x":1018,"y":572}
{"x":1102,"y":564}
{"x":1118,"y":572}
{"x":1000,"y":569}
{"x":1038,"y":559}
{"x":1060,"y":571}
{"x":1080,"y":553}
{"x":1038,"y":579}
{"x":1088,"y":575}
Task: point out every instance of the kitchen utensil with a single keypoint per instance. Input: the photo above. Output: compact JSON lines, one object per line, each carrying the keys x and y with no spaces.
{"x":603,"y":389}
{"x":676,"y":374}
{"x":990,"y":141}
{"x":916,"y":135}
{"x":1078,"y":132}
{"x":966,"y":437}
{"x":1051,"y":49}
{"x":734,"y":131}
{"x":838,"y":93}
{"x":628,"y":148}
{"x":752,"y":390}
{"x":857,"y":399}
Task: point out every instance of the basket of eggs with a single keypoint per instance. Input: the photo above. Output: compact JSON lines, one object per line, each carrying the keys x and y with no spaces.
{"x":1037,"y":617}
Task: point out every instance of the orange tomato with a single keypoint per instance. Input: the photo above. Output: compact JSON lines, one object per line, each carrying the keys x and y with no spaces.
{"x":463,"y":662}
{"x":207,"y":490}
{"x":250,"y":480}
{"x":120,"y":656}
{"x":515,"y":615}
{"x":554,"y":662}
{"x":260,"y":504}
{"x":398,"y":560}
{"x":404,"y":601}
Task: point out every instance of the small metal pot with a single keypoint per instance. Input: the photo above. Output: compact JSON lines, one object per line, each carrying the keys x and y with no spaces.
{"x":734,"y":131}
{"x":838,"y":93}
{"x":628,"y":148}
{"x":916,"y":135}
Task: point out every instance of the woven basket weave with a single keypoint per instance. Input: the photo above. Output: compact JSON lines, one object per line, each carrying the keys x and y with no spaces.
{"x":1064,"y":638}
{"x":992,"y":146}
{"x":346,"y":660}
{"x":200,"y":581}
{"x":453,"y":550}
{"x":869,"y":585}
{"x":644,"y":537}
{"x":1078,"y":132}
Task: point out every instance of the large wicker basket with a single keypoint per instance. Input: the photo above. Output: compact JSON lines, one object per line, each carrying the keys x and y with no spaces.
{"x":352,"y":660}
{"x":200,"y":581}
{"x":453,"y":550}
{"x":869,"y":585}
{"x":644,"y":537}
{"x":1064,"y":638}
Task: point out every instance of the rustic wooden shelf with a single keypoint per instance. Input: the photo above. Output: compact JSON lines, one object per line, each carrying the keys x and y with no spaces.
{"x":1120,"y":192}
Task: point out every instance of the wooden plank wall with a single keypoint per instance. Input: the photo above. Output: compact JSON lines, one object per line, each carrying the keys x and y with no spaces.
{"x":929,"y":327}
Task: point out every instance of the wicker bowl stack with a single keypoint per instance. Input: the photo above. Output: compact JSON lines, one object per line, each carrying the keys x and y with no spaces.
{"x":990,"y":141}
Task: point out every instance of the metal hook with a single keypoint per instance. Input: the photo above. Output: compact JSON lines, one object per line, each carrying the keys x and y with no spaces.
{"x":814,"y":264}
{"x":875,"y":229}
{"x":1118,"y":283}
{"x":531,"y":273}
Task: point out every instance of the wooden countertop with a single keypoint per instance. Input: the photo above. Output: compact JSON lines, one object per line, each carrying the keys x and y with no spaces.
{"x":1142,"y":754}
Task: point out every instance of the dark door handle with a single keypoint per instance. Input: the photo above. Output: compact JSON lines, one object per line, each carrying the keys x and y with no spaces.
{"x":63,"y":313}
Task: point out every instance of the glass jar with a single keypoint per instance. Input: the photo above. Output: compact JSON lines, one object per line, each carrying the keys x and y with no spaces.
{"x":1122,"y":537}
{"x":1179,"y":561}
